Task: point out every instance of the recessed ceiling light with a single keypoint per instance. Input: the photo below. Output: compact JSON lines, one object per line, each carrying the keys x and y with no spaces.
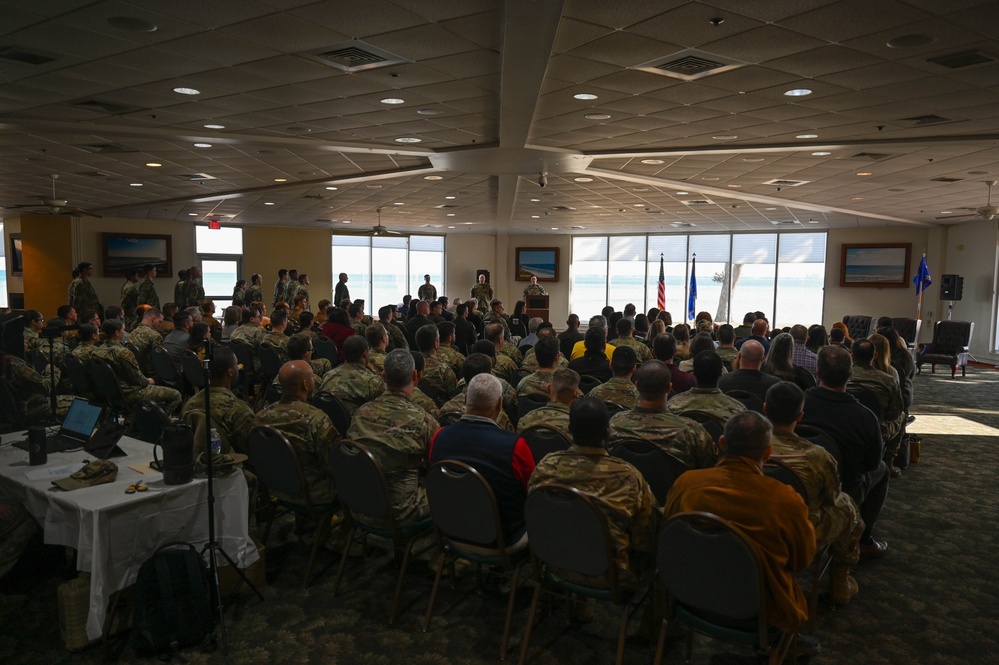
{"x":398,"y":203}
{"x":807,"y":136}
{"x":332,"y":189}
{"x":639,"y":189}
{"x":135,"y":184}
{"x":192,"y":214}
{"x":709,"y":178}
{"x":393,"y":100}
{"x":734,"y":186}
{"x":945,"y":212}
{"x":770,"y":208}
{"x":280,"y":180}
{"x":346,"y":221}
{"x":638,"y":205}
{"x":468,"y":223}
{"x":450,"y":214}
{"x":535,"y":200}
{"x":585,"y":96}
{"x":153,"y":164}
{"x":652,"y":161}
{"x":202,"y":145}
{"x":797,"y":92}
{"x":683,"y":193}
{"x":373,"y":186}
{"x":408,"y":139}
{"x":450,"y":227}
{"x":554,"y":228}
{"x":821,"y":153}
{"x":856,"y":198}
{"x":187,"y":91}
{"x":433,"y":177}
{"x":812,"y":221}
{"x":582,"y":179}
{"x":450,"y":197}
{"x":725,"y":137}
{"x":535,"y":216}
{"x":132,"y":24}
{"x":268,"y":203}
{"x":430,"y":112}
{"x":752,"y":159}
{"x":597,"y":116}
{"x":214,"y":126}
{"x":864,"y":173}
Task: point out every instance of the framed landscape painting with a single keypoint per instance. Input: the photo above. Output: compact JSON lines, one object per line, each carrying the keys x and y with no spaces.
{"x":876,"y":264}
{"x":540,"y":262}
{"x":123,"y":251}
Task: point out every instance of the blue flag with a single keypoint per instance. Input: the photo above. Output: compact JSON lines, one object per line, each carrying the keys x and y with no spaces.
{"x":692,"y":296}
{"x":922,"y":278}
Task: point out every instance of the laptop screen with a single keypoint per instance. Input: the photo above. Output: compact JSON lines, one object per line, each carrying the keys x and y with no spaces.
{"x":81,"y":419}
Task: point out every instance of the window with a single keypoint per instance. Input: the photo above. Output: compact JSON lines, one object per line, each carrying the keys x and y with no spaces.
{"x":382,"y":269}
{"x":220,"y":252}
{"x":779,"y":274}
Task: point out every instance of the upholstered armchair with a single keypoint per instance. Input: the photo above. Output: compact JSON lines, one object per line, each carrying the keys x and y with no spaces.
{"x":949,"y":346}
{"x":908,"y":330}
{"x":859,"y":325}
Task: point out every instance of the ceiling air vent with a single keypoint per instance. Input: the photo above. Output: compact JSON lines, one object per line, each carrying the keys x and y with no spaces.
{"x":25,"y":57}
{"x":100,"y":106}
{"x":314,"y":197}
{"x":354,"y":56}
{"x":784,"y":222}
{"x":689,"y":65}
{"x":446,"y":206}
{"x":106,"y":148}
{"x":782,"y":182}
{"x":962,"y":60}
{"x":945,"y":179}
{"x":697,"y":202}
{"x":927,"y":119}
{"x":875,"y":156}
{"x":94,"y":174}
{"x":197,"y":177}
{"x":562,"y":209}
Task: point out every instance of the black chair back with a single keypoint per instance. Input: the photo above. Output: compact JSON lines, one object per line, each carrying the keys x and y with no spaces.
{"x":270,"y":360}
{"x":140,"y":357}
{"x":530,"y":402}
{"x":859,"y":325}
{"x":908,"y":329}
{"x":449,"y":418}
{"x":613,"y":408}
{"x":519,"y":376}
{"x":588,"y":383}
{"x":163,"y":365}
{"x":751,"y":401}
{"x":557,"y":515}
{"x":778,"y":470}
{"x":360,"y":481}
{"x":77,"y":374}
{"x":462,"y":504}
{"x":150,"y":420}
{"x":868,"y":398}
{"x":822,"y":438}
{"x":708,"y":422}
{"x":193,"y":370}
{"x":542,"y":439}
{"x":106,"y":383}
{"x":276,"y":463}
{"x":335,"y":409}
{"x":658,"y":467}
{"x":325,"y":348}
{"x":244,"y":355}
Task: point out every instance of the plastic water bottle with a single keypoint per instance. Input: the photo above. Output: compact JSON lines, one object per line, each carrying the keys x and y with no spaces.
{"x":216,"y":442}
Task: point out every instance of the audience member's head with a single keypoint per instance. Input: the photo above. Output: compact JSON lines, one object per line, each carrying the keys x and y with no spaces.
{"x":747,"y":434}
{"x":664,"y":347}
{"x":837,"y":336}
{"x":427,"y":338}
{"x":799,"y":333}
{"x":708,"y":369}
{"x":354,"y":348}
{"x":623,"y":361}
{"x":784,"y":403}
{"x":653,"y":381}
{"x":589,"y":423}
{"x":595,"y":340}
{"x":399,"y":368}
{"x":547,"y":351}
{"x":224,"y":367}
{"x":624,"y":328}
{"x":759,"y":328}
{"x":484,"y":396}
{"x":833,"y":367}
{"x":751,"y":355}
{"x":564,"y":385}
{"x":296,"y":379}
{"x":475,"y":364}
{"x":376,"y":335}
{"x":863,"y":352}
{"x":726,"y":335}
{"x":701,"y":342}
{"x":299,"y":346}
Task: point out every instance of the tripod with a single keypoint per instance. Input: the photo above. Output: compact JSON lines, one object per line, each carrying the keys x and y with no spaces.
{"x":212,"y":546}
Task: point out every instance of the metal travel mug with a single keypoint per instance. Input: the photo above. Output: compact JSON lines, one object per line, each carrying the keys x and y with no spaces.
{"x":37,"y":451}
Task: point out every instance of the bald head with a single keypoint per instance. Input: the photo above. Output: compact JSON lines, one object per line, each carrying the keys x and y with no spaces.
{"x":759,"y":327}
{"x":423,"y":308}
{"x":751,"y":354}
{"x":296,"y":379}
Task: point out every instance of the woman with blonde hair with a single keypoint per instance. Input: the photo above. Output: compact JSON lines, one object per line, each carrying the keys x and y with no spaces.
{"x":778,"y":363}
{"x":882,"y":357}
{"x":682,"y":333}
{"x":658,"y":327}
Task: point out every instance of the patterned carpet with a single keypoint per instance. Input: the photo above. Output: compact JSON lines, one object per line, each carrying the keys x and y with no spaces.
{"x":931,"y":601}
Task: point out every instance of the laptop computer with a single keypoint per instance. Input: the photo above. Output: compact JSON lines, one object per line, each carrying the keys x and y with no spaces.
{"x":76,"y":430}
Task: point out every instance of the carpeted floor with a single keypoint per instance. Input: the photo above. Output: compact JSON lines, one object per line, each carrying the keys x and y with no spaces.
{"x":931,"y":601}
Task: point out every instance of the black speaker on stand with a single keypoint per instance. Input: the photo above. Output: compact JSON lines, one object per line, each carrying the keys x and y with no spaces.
{"x":952,"y":289}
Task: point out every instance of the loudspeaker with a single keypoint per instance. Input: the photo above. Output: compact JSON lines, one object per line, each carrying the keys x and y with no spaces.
{"x":12,"y":334}
{"x":481,"y":272}
{"x":951,"y":287}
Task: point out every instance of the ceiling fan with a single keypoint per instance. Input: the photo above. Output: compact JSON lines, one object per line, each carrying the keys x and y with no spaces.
{"x":377,"y":230}
{"x":54,"y":205}
{"x":987,"y":211}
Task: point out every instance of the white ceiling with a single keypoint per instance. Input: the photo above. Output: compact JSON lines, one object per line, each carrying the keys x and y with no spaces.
{"x":495,"y":84}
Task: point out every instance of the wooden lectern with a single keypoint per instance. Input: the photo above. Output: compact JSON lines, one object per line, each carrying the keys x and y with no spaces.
{"x":537,"y":306}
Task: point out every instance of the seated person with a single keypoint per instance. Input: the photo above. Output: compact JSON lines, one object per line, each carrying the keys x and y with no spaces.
{"x":620,"y":389}
{"x":546,"y":355}
{"x":726,"y":345}
{"x":398,"y":433}
{"x":439,"y":377}
{"x":625,"y":337}
{"x":651,"y":421}
{"x":352,"y":381}
{"x":33,"y":390}
{"x":706,"y":396}
{"x":447,"y":351}
{"x":594,"y":361}
{"x":134,"y":385}
{"x":475,"y":364}
{"x":232,"y":416}
{"x":378,"y":340}
{"x":664,"y":349}
{"x":307,"y":428}
{"x":616,"y":486}
{"x":531,"y":357}
{"x":420,"y":398}
{"x":563,"y":391}
{"x":769,"y":512}
{"x":748,"y":377}
{"x":503,"y":458}
{"x":488,"y":348}
{"x":277,"y":336}
{"x":506,"y":366}
{"x":579,"y":348}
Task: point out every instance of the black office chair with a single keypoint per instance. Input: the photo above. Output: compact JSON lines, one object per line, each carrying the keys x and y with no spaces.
{"x":166,"y":372}
{"x":588,"y":383}
{"x":449,"y":418}
{"x":468,"y":525}
{"x":751,"y":401}
{"x":106,"y":384}
{"x":821,"y":437}
{"x":659,"y":468}
{"x":193,"y":369}
{"x":149,"y":421}
{"x":77,"y":375}
{"x":542,"y":439}
{"x":530,"y":402}
{"x":335,"y":409}
{"x":707,"y":421}
{"x":270,"y":361}
{"x":325,"y":348}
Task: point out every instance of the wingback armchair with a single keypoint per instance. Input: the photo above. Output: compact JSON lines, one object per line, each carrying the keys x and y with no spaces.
{"x":949,"y":346}
{"x":859,"y":325}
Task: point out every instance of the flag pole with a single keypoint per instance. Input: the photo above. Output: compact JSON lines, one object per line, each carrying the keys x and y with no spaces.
{"x":919,"y":301}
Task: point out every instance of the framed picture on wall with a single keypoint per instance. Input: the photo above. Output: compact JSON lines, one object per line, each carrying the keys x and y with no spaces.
{"x":123,"y":251}
{"x":876,"y":264}
{"x":16,"y":259}
{"x":540,"y":262}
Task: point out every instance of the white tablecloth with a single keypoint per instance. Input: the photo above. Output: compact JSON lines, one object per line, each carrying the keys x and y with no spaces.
{"x":113,"y":532}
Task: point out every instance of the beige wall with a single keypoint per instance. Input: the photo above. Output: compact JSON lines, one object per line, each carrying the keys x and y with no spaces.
{"x":266,"y":249}
{"x":971,"y":251}
{"x":464,"y":254}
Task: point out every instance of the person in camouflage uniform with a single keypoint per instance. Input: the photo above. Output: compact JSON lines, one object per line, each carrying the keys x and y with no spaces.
{"x":620,"y":389}
{"x":397,"y":337}
{"x":32,"y":391}
{"x":303,"y":288}
{"x":398,"y":433}
{"x":194,"y":292}
{"x":280,"y":287}
{"x":276,"y":336}
{"x":651,"y":421}
{"x":73,"y":284}
{"x":534,"y":289}
{"x":726,"y":345}
{"x":351,"y":381}
{"x":832,"y":512}
{"x":483,"y":293}
{"x":254,"y":292}
{"x":84,"y":297}
{"x":439,"y":377}
{"x":452,"y":356}
{"x":33,"y":324}
{"x":147,"y":290}
{"x":420,"y":398}
{"x":531,"y":357}
{"x":427,"y":291}
{"x":884,"y":387}
{"x":300,"y":347}
{"x":480,"y":363}
{"x":706,"y":397}
{"x":547,"y":353}
{"x":505,"y":367}
{"x":563,"y":391}
{"x":232,"y":416}
{"x":134,"y":385}
{"x":291,"y":288}
{"x":488,"y":349}
{"x":625,"y":337}
{"x":378,"y":338}
{"x":307,"y":428}
{"x":130,"y":296}
{"x":617,"y":488}
{"x":180,"y":288}
{"x":146,"y":336}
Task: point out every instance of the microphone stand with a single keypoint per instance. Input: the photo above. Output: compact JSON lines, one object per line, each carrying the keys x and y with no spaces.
{"x":212,"y":546}
{"x":53,"y":420}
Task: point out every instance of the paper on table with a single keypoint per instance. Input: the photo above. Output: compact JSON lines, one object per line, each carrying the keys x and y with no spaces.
{"x":60,"y":471}
{"x":142,"y":467}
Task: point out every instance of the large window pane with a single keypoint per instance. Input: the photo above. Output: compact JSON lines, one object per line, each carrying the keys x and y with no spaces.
{"x":227,"y":240}
{"x":801,"y":267}
{"x":352,"y":255}
{"x":218,"y":278}
{"x":673,"y":250}
{"x":588,"y":277}
{"x":712,"y":276}
{"x":626,"y":271}
{"x":754,"y":266}
{"x":388,"y":272}
{"x":426,"y":257}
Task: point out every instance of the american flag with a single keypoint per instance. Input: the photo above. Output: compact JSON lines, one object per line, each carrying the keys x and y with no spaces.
{"x":661,"y":295}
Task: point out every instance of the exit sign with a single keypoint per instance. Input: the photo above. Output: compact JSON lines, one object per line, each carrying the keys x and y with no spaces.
{"x":214,"y":224}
